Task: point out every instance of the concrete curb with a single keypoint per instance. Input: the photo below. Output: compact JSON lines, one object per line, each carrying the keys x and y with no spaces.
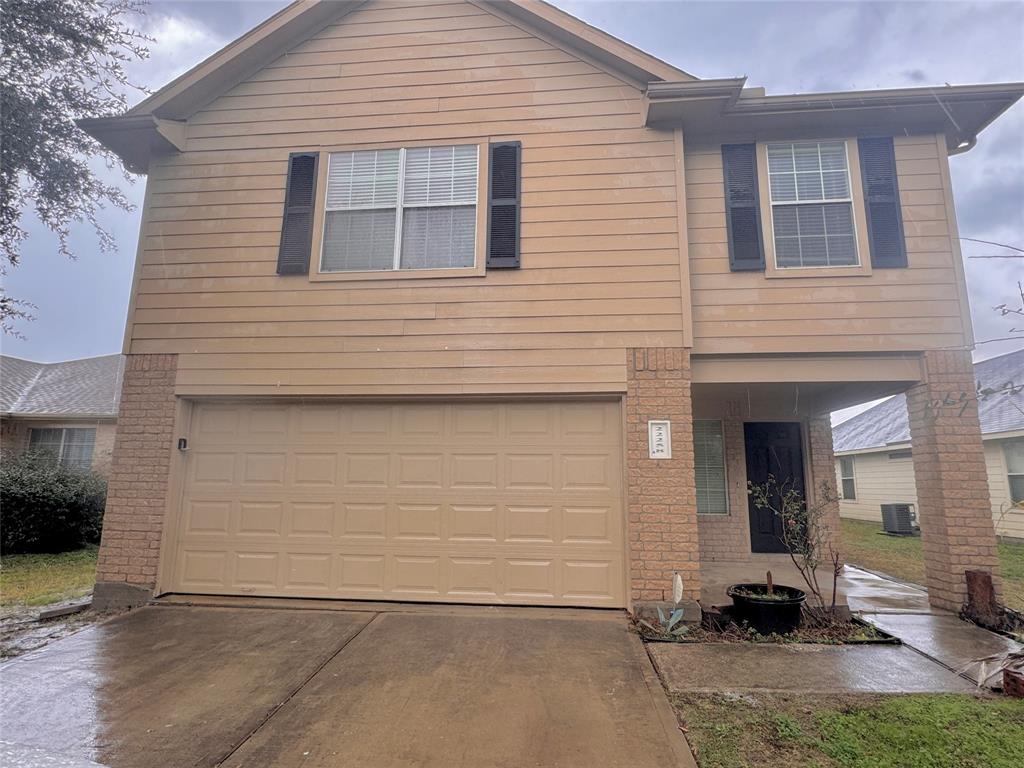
{"x":659,"y":699}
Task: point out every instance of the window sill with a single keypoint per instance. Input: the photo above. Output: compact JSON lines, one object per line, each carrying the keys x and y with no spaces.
{"x":398,"y":274}
{"x":864,"y":270}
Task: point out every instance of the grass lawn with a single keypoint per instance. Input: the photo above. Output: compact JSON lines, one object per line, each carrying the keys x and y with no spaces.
{"x":901,"y":557}
{"x":30,"y":580}
{"x":853,"y":731}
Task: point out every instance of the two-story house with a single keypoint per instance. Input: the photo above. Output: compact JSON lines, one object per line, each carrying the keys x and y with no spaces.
{"x":469,"y":301}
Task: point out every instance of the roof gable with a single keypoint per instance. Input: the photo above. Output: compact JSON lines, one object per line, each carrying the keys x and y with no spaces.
{"x":185,"y":95}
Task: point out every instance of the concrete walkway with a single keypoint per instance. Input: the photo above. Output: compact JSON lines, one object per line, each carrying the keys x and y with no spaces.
{"x":937,"y":646}
{"x":209,"y":686}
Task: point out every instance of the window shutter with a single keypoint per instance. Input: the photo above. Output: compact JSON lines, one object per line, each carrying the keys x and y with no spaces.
{"x":742,"y":207}
{"x":882,"y":202}
{"x":503,"y":206}
{"x":297,"y":227}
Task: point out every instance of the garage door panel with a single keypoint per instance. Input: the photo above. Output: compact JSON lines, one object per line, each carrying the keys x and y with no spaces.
{"x":483,"y":502}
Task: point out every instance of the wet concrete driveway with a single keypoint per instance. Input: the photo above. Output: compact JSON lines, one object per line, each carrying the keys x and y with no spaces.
{"x":208,"y":686}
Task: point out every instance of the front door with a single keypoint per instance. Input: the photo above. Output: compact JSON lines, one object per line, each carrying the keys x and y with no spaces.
{"x":772,"y":447}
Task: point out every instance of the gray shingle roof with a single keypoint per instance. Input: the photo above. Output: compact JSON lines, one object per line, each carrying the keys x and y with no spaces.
{"x":887,"y":422}
{"x":87,"y":387}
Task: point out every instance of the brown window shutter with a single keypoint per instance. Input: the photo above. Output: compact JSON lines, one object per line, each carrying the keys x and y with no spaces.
{"x":503,"y":206}
{"x":742,"y":207}
{"x":882,"y":202}
{"x":297,"y":226}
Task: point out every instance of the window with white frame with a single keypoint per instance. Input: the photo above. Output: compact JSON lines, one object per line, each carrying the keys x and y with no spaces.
{"x":70,"y":446}
{"x":1013,"y":450}
{"x":709,"y":465}
{"x":397,"y":209}
{"x":812,"y":205}
{"x":846,"y":475}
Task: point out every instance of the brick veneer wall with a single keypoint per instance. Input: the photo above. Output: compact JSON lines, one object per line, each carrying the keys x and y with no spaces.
{"x":822,"y":464}
{"x":103,"y":448}
{"x":13,"y":436}
{"x":952,"y":484}
{"x":662,"y":499}
{"x":727,"y":537}
{"x":138,"y":482}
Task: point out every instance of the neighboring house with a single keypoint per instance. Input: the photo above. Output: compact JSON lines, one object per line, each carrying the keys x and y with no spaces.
{"x":472,"y":302}
{"x":874,"y":463}
{"x":68,"y":409}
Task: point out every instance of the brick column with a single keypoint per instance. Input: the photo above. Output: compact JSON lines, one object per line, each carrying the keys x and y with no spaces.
{"x":662,"y":498}
{"x":952,"y":485}
{"x":823,"y":472}
{"x":137,"y":485}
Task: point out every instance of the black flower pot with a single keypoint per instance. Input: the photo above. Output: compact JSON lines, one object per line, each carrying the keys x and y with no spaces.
{"x":778,"y":614}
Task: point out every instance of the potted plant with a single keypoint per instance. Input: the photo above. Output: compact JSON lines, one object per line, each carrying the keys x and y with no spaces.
{"x":774,"y":608}
{"x":768,"y":608}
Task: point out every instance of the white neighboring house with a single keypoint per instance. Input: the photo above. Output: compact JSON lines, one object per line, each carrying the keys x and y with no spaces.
{"x":874,"y":464}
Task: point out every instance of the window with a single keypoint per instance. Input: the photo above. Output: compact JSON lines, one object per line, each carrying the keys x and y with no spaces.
{"x":400,"y":209}
{"x":846,"y":474}
{"x":1013,"y":450}
{"x":709,"y":464}
{"x":71,"y":447}
{"x":811,"y":205}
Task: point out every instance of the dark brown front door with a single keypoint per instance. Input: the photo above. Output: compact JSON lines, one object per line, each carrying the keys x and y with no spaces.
{"x":772,"y":447}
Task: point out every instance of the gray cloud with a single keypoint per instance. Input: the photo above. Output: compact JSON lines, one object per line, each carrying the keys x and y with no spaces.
{"x":787,"y":47}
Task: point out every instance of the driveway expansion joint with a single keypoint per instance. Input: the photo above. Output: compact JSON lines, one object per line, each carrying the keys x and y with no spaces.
{"x":292,"y":693}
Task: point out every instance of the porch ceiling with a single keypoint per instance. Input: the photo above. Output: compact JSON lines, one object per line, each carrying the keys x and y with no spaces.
{"x":778,"y":386}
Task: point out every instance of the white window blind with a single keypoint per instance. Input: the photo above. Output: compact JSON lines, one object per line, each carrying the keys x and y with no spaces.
{"x":72,"y":447}
{"x":812,"y":207}
{"x":709,"y":466}
{"x":401,"y":209}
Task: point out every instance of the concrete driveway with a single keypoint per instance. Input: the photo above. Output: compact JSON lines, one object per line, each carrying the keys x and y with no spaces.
{"x":237,"y":686}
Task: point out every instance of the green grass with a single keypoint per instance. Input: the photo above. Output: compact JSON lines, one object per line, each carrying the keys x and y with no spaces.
{"x":853,"y":731}
{"x":901,"y":557}
{"x":33,"y":580}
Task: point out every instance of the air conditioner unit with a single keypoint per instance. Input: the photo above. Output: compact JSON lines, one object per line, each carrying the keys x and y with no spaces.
{"x":898,"y":519}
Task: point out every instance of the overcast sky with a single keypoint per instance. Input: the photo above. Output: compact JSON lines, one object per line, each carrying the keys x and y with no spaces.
{"x":786,"y":47}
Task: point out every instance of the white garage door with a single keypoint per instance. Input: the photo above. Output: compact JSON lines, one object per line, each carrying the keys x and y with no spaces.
{"x":472,"y":502}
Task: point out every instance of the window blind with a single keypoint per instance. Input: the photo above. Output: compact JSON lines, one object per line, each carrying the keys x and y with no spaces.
{"x":709,"y":466}
{"x":401,"y":209}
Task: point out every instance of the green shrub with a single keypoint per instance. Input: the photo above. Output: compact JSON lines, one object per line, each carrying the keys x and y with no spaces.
{"x":45,"y":507}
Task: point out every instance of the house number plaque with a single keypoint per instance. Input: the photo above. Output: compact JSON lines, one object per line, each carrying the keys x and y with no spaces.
{"x":659,"y":439}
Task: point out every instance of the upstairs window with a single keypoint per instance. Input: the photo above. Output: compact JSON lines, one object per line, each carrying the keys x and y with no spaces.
{"x":811,"y":205}
{"x":847,"y":478}
{"x":71,"y":447}
{"x":401,"y":209}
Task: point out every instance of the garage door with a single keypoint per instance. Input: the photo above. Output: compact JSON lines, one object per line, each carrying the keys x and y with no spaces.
{"x":470,"y":502}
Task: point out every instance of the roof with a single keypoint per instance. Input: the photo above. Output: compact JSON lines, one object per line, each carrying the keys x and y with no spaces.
{"x":156,"y":125}
{"x":724,"y":109}
{"x":887,"y":423}
{"x":90,"y":387}
{"x":721,"y":108}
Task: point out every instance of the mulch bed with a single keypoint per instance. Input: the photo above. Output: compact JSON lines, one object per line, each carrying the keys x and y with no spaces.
{"x":851,"y":632}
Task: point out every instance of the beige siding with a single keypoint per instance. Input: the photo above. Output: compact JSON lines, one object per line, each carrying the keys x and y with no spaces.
{"x":1009,"y":520}
{"x":878,"y":480}
{"x":600,"y":247}
{"x":889,"y":310}
{"x":881,"y":480}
